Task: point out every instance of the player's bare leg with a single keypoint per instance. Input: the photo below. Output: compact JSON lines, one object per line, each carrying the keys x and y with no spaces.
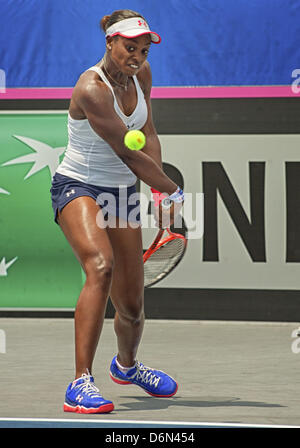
{"x":92,"y":247}
{"x":127,"y":291}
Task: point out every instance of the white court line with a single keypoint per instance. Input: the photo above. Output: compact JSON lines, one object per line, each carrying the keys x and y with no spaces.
{"x":146,"y":422}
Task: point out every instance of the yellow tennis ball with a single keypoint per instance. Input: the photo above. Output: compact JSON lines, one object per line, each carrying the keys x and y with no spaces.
{"x":135,"y":140}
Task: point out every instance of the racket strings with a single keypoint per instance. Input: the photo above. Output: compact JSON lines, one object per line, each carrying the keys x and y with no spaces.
{"x":163,"y":260}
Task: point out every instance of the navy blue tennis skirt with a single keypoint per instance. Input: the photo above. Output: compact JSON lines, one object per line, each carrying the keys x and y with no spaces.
{"x":122,"y":202}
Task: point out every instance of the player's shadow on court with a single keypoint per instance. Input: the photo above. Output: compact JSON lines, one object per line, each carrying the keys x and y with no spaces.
{"x":152,"y":403}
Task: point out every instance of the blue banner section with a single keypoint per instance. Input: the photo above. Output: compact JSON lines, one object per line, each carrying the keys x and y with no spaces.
{"x":49,"y":43}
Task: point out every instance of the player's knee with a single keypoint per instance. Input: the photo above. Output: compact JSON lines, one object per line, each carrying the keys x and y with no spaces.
{"x":99,"y":268}
{"x":133,"y":310}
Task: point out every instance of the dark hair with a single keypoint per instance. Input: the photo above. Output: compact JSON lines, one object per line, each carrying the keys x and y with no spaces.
{"x":116,"y":16}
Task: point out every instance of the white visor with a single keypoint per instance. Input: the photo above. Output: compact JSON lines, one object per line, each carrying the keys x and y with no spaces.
{"x":133,"y":27}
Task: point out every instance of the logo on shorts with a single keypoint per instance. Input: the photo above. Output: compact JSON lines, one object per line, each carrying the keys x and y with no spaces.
{"x":70,"y":192}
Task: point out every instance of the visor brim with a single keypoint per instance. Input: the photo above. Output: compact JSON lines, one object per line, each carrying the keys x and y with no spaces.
{"x":155,"y":38}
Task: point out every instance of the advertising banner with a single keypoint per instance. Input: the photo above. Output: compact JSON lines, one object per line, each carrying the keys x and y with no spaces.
{"x":37,"y":267}
{"x":241,"y":213}
{"x":204,"y":43}
{"x":250,"y":186}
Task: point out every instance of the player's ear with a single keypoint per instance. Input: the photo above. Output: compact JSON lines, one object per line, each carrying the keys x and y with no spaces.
{"x":109,"y":43}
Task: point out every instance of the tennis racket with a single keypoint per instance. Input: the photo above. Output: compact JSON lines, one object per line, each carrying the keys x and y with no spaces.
{"x":163,"y":256}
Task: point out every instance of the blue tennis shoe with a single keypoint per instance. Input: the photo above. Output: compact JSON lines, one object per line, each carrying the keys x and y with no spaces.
{"x":154,"y":382}
{"x":83,"y":397}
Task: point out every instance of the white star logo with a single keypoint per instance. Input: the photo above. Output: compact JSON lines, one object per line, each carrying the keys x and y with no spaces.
{"x":4,"y":266}
{"x":44,"y":156}
{"x":2,"y":191}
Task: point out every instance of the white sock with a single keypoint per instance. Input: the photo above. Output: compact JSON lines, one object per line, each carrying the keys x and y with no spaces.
{"x":123,"y":369}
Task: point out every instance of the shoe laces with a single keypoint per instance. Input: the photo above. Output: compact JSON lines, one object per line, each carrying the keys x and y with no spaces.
{"x":88,"y":387}
{"x":145,"y":375}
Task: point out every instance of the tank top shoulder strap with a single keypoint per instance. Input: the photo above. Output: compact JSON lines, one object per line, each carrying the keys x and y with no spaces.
{"x":139,"y":91}
{"x":102,"y":76}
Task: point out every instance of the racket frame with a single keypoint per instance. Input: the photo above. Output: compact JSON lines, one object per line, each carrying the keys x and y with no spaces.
{"x":159,"y":241}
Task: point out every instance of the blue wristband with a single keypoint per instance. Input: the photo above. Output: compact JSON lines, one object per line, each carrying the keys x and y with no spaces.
{"x":177,"y":196}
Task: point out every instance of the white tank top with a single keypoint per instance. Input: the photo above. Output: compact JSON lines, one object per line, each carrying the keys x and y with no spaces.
{"x":89,"y":158}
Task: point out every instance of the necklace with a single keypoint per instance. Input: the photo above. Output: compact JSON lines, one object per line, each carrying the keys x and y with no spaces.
{"x":124,"y":86}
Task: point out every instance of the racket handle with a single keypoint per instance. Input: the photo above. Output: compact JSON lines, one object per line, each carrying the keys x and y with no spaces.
{"x":166,"y":203}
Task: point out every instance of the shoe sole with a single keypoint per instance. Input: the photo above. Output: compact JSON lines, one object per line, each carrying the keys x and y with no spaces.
{"x":105,"y":408}
{"x":123,"y":383}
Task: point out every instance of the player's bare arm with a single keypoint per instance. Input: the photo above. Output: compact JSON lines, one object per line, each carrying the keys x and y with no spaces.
{"x":96,"y":103}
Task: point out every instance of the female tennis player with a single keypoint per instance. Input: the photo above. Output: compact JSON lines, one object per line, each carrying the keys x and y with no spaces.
{"x":109,"y":99}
